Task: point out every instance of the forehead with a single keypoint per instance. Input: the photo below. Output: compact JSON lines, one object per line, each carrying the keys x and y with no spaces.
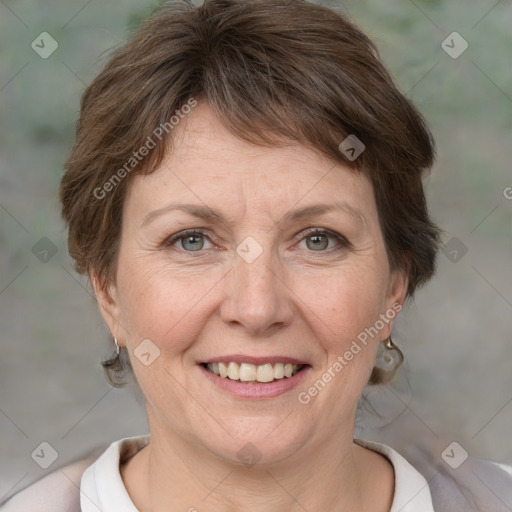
{"x":208,"y":164}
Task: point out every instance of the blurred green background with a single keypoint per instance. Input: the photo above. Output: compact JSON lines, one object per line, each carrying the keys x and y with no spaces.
{"x":457,"y":380}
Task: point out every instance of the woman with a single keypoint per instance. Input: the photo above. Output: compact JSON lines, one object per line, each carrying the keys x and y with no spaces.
{"x":245,"y":195}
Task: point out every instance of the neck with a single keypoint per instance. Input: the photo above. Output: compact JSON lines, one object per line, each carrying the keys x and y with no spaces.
{"x":173,"y":474}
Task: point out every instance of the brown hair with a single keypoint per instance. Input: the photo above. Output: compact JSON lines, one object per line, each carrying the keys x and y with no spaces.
{"x":272,"y":71}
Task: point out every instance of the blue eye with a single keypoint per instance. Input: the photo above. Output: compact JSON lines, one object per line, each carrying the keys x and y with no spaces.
{"x":192,"y":238}
{"x":317,"y":240}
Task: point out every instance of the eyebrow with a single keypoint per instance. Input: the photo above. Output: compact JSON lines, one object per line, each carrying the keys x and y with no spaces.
{"x":213,"y":215}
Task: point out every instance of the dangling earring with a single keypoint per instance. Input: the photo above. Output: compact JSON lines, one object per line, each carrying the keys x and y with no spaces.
{"x":390,"y":357}
{"x":117,"y":346}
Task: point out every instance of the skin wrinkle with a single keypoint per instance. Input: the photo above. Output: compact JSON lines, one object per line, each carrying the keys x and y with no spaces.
{"x":294,"y":302}
{"x":209,"y":214}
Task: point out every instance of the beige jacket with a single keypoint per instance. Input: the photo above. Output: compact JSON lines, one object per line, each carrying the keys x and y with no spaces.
{"x":476,"y":486}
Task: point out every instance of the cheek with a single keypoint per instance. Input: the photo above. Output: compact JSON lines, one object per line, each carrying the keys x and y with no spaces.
{"x":164,"y":305}
{"x":340,"y":311}
{"x":348,"y":301}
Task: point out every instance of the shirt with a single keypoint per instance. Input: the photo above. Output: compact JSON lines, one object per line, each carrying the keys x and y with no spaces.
{"x":102,"y":487}
{"x":424,"y":482}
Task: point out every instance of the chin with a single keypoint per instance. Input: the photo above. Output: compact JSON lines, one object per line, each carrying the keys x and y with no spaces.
{"x":255,"y":441}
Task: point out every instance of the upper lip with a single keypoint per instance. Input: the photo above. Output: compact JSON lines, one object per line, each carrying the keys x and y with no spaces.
{"x":240,"y":358}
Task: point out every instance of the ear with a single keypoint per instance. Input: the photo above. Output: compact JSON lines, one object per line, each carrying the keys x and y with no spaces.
{"x":396,"y":295}
{"x":107,"y":302}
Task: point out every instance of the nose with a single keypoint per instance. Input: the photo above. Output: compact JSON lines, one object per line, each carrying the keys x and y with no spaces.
{"x":258,"y":299}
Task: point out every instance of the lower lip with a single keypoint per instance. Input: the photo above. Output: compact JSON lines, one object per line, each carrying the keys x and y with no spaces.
{"x":256,"y":390}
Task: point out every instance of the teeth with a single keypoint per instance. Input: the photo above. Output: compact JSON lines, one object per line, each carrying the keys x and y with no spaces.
{"x":265,"y":373}
{"x":223,"y":369}
{"x":278,"y":371}
{"x":247,"y":372}
{"x":233,"y":371}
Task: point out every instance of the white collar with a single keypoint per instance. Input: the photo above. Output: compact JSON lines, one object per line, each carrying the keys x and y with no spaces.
{"x":102,"y":488}
{"x":412,"y":493}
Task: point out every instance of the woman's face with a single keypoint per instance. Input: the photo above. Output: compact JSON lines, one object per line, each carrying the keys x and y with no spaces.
{"x":253,"y":285}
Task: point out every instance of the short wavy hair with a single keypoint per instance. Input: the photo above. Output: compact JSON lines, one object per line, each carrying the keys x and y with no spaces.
{"x":272,"y":71}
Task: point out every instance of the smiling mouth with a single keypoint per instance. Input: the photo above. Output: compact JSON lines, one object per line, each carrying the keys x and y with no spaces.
{"x":252,"y":373}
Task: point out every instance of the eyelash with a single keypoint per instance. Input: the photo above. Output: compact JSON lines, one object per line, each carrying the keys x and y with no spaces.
{"x":344,"y":243}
